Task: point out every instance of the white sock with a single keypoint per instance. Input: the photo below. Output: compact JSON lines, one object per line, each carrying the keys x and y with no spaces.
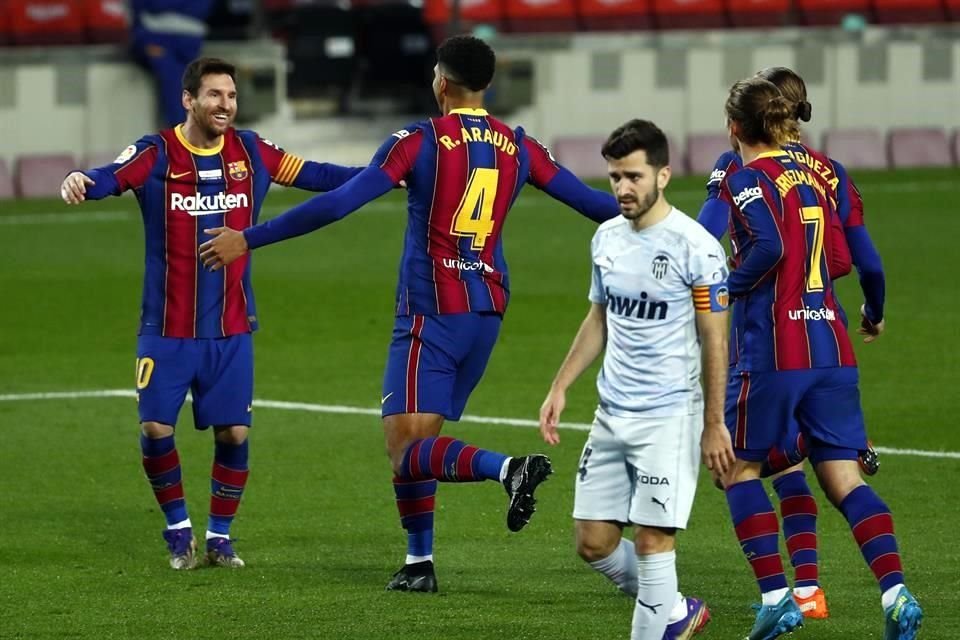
{"x":656,"y":595}
{"x":416,"y":559}
{"x":771,"y":598}
{"x":804,"y":592}
{"x":889,"y":597}
{"x":621,"y":567}
{"x":679,"y":610}
{"x":183,"y":524}
{"x":211,"y":535}
{"x":503,"y":469}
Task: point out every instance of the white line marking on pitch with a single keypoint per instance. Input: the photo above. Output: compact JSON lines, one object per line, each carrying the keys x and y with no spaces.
{"x":343,"y":409}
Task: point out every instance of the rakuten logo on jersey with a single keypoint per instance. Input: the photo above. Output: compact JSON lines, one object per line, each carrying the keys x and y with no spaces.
{"x":201,"y":205}
{"x":747,"y":196}
{"x":464,"y":265}
{"x":717,"y":176}
{"x":812,"y":314}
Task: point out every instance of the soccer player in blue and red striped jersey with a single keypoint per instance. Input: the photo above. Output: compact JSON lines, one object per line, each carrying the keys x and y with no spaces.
{"x":196,"y":325}
{"x":463,"y":172}
{"x":797,"y":505}
{"x":794,"y":362}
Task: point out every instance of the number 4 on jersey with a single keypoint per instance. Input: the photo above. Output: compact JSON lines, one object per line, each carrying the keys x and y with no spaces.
{"x":474,"y":217}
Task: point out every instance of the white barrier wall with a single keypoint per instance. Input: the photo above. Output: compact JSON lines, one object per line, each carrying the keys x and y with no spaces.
{"x":590,"y":87}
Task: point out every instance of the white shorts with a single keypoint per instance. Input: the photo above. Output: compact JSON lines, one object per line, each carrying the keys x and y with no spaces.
{"x":639,"y":470}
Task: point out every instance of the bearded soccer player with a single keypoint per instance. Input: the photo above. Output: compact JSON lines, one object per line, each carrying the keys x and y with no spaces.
{"x":196,"y":325}
{"x":463,"y":172}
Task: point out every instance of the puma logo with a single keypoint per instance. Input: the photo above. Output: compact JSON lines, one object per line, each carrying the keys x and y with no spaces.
{"x":663,"y":505}
{"x":652,"y":607}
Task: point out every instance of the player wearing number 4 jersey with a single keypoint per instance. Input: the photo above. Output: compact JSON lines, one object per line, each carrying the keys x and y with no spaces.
{"x":463,"y":173}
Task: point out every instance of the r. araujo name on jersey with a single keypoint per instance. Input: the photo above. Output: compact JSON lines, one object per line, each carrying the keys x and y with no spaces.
{"x":653,"y":282}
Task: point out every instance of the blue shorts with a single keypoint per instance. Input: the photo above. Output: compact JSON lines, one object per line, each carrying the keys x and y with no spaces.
{"x":218,"y":372}
{"x":765,"y":409}
{"x":436,"y":361}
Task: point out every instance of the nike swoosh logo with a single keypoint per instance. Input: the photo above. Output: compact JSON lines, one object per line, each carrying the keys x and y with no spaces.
{"x":249,"y":408}
{"x":180,"y":175}
{"x":385,"y":398}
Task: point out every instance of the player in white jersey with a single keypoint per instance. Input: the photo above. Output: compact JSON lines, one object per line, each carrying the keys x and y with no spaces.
{"x":658,"y":308}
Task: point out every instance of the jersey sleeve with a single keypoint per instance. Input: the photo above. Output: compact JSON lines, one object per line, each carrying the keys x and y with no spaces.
{"x":397,"y":155}
{"x":766,"y":247}
{"x":291,"y":170}
{"x":849,"y":200}
{"x":598,"y":294}
{"x":543,"y":166}
{"x":707,"y":274}
{"x":130,"y":170}
{"x":720,"y":169}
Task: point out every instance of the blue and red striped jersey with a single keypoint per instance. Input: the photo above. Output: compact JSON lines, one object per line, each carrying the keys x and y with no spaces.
{"x":463,"y":173}
{"x":786,"y":315}
{"x":183,"y":190}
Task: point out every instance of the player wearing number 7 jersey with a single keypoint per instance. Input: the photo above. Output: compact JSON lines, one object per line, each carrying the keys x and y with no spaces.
{"x":463,"y":172}
{"x":794,"y":362}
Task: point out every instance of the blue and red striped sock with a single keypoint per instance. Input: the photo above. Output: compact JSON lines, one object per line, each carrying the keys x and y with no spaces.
{"x":415,"y":502}
{"x":228,"y":478}
{"x":798,"y":509}
{"x":450,"y":460}
{"x":162,"y":466}
{"x":759,"y":533}
{"x":872,"y":527}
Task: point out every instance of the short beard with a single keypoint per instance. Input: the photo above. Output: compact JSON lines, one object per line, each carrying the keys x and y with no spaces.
{"x":644,"y":205}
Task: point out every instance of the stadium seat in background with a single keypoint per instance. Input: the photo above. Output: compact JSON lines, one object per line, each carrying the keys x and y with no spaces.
{"x":830,"y":12}
{"x":678,"y":159}
{"x":626,"y":15}
{"x":437,"y":15}
{"x":321,"y":45}
{"x":953,"y":9}
{"x":105,"y":20}
{"x":856,"y":148}
{"x":4,"y":25}
{"x":541,"y":15}
{"x":908,"y":11}
{"x":46,"y":22}
{"x":6,"y":182}
{"x":703,"y":150}
{"x":581,"y":155}
{"x":921,"y":147}
{"x":760,"y":13}
{"x":689,"y":14}
{"x":396,"y":53}
{"x":956,"y":147}
{"x":40,"y":176}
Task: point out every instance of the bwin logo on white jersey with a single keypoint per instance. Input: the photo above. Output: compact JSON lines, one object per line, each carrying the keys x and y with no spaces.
{"x":747,"y":196}
{"x":717,"y":176}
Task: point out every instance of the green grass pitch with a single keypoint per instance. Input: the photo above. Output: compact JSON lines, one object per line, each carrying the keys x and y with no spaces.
{"x":80,"y":548}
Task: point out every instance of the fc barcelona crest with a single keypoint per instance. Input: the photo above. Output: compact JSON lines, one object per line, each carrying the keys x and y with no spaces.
{"x":660,"y":264}
{"x":238,"y":170}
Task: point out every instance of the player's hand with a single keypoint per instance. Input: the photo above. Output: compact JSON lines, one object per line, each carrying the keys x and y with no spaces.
{"x":870,"y":330}
{"x":227,"y":245}
{"x":550,"y":412}
{"x":74,"y":187}
{"x":717,"y":448}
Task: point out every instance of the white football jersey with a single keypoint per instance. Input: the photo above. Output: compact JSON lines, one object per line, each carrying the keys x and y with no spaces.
{"x":653,"y":282}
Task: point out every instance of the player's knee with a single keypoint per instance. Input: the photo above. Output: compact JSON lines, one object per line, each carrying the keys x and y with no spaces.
{"x":651,"y":540}
{"x":235,"y":435}
{"x":156,"y":430}
{"x":838,"y":478}
{"x":592,"y":549}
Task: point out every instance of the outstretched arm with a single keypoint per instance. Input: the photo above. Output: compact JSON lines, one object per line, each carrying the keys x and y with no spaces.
{"x":319,"y":211}
{"x":291,"y":170}
{"x":129,"y":171}
{"x":559,"y":183}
